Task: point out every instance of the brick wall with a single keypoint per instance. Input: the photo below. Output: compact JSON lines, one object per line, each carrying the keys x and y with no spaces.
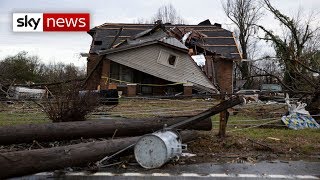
{"x":95,"y":79}
{"x":91,"y":61}
{"x":187,"y":90}
{"x":105,"y":73}
{"x":224,"y":74}
{"x":131,"y":90}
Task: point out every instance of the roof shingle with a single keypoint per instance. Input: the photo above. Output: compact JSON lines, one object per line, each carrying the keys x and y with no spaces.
{"x":216,"y":39}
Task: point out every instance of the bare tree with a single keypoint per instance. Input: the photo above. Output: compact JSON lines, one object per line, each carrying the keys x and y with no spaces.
{"x":298,"y":53}
{"x":244,"y":14}
{"x":166,"y":13}
{"x":142,"y":21}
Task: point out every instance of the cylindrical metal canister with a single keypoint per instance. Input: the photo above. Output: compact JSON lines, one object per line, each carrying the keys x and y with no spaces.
{"x":154,"y":150}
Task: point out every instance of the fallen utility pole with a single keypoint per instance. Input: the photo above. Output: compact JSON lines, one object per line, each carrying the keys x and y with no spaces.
{"x":224,"y":105}
{"x":90,"y":129}
{"x":21,"y":163}
{"x":27,"y":162}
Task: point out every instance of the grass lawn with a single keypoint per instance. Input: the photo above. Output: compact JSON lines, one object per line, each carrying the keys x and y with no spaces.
{"x":242,"y":134}
{"x":305,"y":141}
{"x":7,"y":118}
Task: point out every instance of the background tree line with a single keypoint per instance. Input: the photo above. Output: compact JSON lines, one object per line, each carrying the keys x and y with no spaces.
{"x":295,"y":61}
{"x":25,"y":69}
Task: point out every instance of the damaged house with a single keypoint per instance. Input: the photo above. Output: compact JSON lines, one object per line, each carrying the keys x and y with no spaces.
{"x":160,"y":59}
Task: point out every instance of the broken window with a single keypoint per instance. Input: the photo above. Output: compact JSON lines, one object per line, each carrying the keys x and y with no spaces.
{"x":98,"y":43}
{"x":172,"y":60}
{"x":167,"y":58}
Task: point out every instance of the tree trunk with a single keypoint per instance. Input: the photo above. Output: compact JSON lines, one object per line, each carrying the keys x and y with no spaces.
{"x":314,"y":105}
{"x":21,"y":163}
{"x":90,"y":129}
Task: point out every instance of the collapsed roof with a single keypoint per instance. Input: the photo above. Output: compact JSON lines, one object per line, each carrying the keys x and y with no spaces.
{"x":130,"y":45}
{"x":155,"y":35}
{"x":148,"y":52}
{"x":210,"y":37}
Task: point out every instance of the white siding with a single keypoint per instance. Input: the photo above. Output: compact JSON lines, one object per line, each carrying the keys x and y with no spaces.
{"x":145,"y":59}
{"x":164,"y":57}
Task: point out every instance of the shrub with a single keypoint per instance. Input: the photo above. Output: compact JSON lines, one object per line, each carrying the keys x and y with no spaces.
{"x":68,"y":105}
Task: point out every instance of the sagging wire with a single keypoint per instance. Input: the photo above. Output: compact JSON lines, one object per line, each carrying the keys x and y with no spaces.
{"x":157,"y":85}
{"x":156,"y":113}
{"x":240,"y":129}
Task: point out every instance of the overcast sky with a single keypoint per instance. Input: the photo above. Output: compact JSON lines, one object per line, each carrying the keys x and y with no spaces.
{"x":64,"y":47}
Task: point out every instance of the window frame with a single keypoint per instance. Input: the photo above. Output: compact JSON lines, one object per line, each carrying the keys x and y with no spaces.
{"x":166,"y":61}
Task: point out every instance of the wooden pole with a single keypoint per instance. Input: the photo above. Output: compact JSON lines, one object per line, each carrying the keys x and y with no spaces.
{"x":90,"y":129}
{"x":224,"y":116}
{"x":19,"y":163}
{"x":222,"y":106}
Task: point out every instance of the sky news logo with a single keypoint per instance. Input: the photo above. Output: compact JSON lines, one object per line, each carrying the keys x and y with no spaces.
{"x":50,"y":22}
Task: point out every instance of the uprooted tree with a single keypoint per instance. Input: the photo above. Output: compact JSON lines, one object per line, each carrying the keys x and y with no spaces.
{"x":297,"y":49}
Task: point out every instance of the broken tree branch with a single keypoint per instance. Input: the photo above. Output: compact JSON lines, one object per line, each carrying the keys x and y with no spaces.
{"x":263,"y":145}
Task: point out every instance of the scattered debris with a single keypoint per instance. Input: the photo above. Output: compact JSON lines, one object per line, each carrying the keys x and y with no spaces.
{"x":299,"y":121}
{"x":261,"y":144}
{"x":272,"y":138}
{"x":249,"y":95}
{"x":20,"y":93}
{"x":199,"y":59}
{"x":271,"y":102}
{"x":17,"y":163}
{"x":298,"y":117}
{"x":188,"y":155}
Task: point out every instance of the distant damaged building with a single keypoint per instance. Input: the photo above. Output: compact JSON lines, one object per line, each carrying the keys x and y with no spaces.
{"x":158,"y":59}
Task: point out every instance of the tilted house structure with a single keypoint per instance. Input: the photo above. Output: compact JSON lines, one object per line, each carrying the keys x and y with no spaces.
{"x":157,"y":58}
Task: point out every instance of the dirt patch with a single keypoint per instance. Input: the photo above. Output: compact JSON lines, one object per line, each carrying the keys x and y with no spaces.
{"x":270,"y":145}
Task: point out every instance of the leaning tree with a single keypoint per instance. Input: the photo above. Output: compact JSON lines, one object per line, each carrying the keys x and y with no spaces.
{"x":297,"y":49}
